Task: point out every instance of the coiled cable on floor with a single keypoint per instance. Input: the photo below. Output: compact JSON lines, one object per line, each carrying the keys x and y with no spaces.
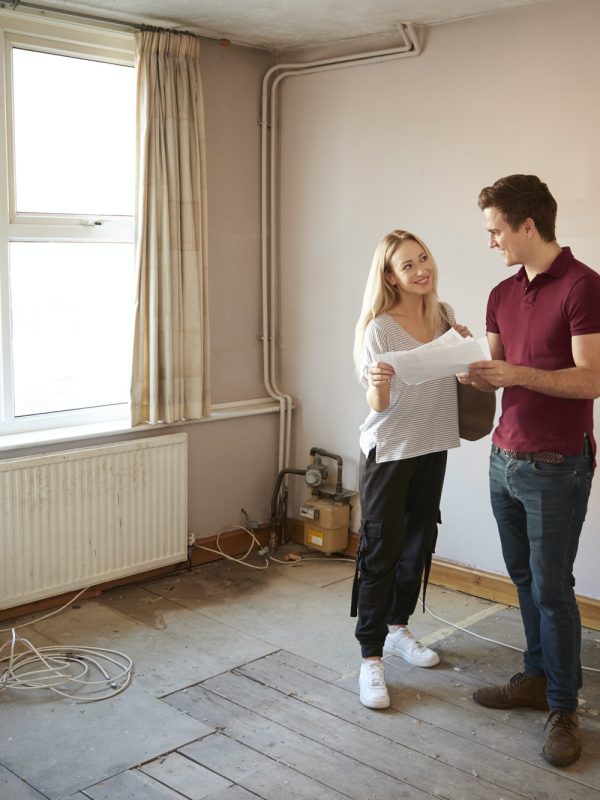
{"x":58,"y":668}
{"x":65,"y":671}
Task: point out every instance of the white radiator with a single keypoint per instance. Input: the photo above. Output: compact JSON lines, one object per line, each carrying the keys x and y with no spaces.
{"x":82,"y":517}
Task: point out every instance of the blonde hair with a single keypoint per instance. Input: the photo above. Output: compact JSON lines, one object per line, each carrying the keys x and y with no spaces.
{"x":380,"y":296}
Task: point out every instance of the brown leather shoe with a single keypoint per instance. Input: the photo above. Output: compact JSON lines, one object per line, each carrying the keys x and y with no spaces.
{"x":563,"y":745}
{"x":527,"y":691}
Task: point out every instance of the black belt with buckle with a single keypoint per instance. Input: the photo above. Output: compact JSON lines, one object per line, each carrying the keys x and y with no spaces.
{"x":541,"y":457}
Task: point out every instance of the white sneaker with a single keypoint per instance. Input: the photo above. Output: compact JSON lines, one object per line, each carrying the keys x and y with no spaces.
{"x":402,"y":643}
{"x":373,"y":691}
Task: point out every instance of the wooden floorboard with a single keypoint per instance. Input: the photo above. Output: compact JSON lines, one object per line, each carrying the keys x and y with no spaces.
{"x":266,"y":775}
{"x":132,"y":785}
{"x":433,"y":742}
{"x":442,"y":697}
{"x":407,"y":754}
{"x":337,"y":774}
{"x":465,"y":737}
{"x":287,"y":728}
{"x":185,"y":776}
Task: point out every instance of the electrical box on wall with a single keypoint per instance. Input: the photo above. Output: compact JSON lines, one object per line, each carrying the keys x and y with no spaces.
{"x":326,"y":524}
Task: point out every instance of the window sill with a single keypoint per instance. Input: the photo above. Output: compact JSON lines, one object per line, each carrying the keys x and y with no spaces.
{"x":219,"y":411}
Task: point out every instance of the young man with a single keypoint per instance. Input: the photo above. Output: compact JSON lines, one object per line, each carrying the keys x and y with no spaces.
{"x":543,"y":327}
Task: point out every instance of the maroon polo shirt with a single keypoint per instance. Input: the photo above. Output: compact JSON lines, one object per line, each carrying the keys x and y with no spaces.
{"x":536,"y":321}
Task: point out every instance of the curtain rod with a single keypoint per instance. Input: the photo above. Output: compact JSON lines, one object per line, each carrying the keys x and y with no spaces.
{"x":15,"y":4}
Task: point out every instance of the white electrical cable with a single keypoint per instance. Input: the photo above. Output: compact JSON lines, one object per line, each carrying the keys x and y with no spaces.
{"x":240,"y":559}
{"x":471,"y":633}
{"x":486,"y":638}
{"x":51,"y":614}
{"x":57,"y":668}
{"x":303,"y":559}
{"x":263,"y":551}
{"x":268,"y":558}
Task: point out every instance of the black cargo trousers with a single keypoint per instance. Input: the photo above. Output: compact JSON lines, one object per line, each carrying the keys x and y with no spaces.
{"x":400,"y":503}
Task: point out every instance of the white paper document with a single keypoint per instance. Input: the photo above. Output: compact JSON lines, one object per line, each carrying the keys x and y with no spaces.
{"x":443,"y":357}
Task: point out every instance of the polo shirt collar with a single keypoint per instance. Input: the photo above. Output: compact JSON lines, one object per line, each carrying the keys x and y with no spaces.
{"x":555,"y":270}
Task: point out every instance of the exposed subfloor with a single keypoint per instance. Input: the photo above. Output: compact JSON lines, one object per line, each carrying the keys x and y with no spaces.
{"x":245,"y":686}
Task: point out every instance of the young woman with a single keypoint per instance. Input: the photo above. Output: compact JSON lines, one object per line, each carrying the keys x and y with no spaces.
{"x":404,"y":442}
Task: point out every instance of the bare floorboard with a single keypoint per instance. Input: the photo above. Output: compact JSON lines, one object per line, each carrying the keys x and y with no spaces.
{"x":434,"y":741}
{"x":427,"y":726}
{"x":444,"y":701}
{"x":288,"y":728}
{"x":305,"y":756}
{"x":225,"y":709}
{"x":265,"y":775}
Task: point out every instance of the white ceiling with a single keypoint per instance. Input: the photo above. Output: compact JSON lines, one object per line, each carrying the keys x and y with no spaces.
{"x":285,"y":24}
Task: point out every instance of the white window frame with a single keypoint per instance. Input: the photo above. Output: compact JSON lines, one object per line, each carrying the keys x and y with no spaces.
{"x":28,"y":30}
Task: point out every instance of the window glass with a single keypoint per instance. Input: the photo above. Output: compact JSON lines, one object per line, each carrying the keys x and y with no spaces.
{"x":71,"y":320}
{"x":74,"y":135}
{"x":67,"y":286}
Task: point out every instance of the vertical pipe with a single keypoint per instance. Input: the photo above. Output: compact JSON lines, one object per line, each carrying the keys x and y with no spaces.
{"x":410,"y":47}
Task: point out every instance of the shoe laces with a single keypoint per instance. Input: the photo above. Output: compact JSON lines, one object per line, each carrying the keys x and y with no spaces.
{"x":559,"y":718}
{"x":375,"y":673}
{"x":408,"y":636}
{"x":517,"y":679}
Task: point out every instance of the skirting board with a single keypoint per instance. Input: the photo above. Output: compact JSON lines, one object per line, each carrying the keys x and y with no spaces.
{"x":478,"y":583}
{"x":232,"y":543}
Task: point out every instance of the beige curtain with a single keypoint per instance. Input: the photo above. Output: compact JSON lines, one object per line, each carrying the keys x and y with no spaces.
{"x":171,"y":326}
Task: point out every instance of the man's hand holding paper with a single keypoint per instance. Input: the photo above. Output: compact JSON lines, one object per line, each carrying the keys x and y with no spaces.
{"x":443,"y":357}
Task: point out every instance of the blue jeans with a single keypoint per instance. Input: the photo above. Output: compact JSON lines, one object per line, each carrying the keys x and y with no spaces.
{"x":540,"y":509}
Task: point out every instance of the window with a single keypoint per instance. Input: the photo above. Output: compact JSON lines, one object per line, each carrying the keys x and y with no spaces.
{"x":66,"y":249}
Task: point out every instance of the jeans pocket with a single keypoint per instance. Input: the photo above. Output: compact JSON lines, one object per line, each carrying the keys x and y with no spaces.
{"x":589,"y":477}
{"x":554,"y":470}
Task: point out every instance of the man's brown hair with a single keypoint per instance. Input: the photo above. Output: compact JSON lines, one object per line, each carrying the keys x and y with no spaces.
{"x":520,"y":197}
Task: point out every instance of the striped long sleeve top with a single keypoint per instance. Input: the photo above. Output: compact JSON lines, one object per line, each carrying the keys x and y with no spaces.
{"x":420,"y":419}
